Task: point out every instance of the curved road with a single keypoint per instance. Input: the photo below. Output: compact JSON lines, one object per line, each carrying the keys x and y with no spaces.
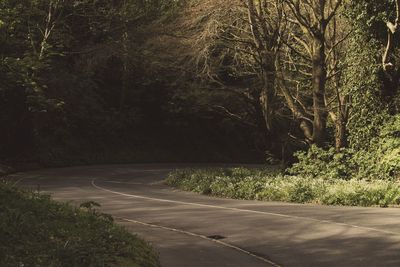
{"x":194,"y":230}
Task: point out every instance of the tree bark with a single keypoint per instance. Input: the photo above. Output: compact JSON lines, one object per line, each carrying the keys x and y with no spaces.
{"x":267,"y":93}
{"x":318,"y":87}
{"x":341,"y":135}
{"x":265,"y":103}
{"x":392,"y":30}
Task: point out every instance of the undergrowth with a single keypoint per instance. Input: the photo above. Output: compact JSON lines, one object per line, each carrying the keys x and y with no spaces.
{"x":37,"y":231}
{"x":253,"y":184}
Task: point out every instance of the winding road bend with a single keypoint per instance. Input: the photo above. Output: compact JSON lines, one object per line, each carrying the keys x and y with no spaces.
{"x":194,"y":230}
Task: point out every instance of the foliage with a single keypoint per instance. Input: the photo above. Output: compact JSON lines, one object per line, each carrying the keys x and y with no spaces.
{"x":318,"y":162}
{"x":370,"y":16}
{"x":362,"y":82}
{"x":80,"y":88}
{"x":36,"y":231}
{"x":389,"y":148}
{"x":379,"y":160}
{"x":266,"y":185}
{"x":372,"y":151}
{"x":373,"y":146}
{"x":163,"y":80}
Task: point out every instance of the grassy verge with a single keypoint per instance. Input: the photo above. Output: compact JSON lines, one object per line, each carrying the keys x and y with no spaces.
{"x":36,"y":231}
{"x":264,"y":184}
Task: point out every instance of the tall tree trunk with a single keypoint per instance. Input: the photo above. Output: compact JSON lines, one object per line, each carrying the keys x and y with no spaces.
{"x":318,"y":87}
{"x":305,"y":122}
{"x":265,"y":103}
{"x":341,"y":135}
{"x":313,"y":18}
{"x":392,"y":30}
{"x":268,"y":89}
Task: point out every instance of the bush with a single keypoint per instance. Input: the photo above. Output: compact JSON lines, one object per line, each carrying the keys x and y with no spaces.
{"x":362,"y":193}
{"x":36,"y":231}
{"x":261,"y":185}
{"x":380,"y":160}
{"x":319,"y":162}
{"x":389,"y":148}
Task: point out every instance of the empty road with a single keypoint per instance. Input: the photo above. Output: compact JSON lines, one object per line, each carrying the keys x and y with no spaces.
{"x":192,"y":230}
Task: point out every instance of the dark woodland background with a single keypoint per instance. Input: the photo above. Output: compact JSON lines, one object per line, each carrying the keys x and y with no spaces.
{"x":95,"y":81}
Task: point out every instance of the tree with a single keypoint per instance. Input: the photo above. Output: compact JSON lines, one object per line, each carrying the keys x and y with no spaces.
{"x":392,"y":29}
{"x":313,"y":19}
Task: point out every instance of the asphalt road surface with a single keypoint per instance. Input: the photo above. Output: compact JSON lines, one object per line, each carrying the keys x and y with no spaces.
{"x":192,"y":230}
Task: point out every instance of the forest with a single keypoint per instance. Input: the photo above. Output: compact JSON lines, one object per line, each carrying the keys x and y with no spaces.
{"x":305,"y":94}
{"x":314,"y":83}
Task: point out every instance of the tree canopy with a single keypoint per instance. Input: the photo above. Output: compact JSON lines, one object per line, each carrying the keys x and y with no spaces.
{"x":214,"y":80}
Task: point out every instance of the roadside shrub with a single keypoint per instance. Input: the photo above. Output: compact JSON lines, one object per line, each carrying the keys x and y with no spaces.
{"x":249,"y":187}
{"x":389,"y":148}
{"x":362,"y":193}
{"x":379,"y":160}
{"x":259,"y":185}
{"x":36,"y":231}
{"x":301,"y":190}
{"x":196,"y":181}
{"x":274,"y":190}
{"x":319,"y":162}
{"x":223,"y":186}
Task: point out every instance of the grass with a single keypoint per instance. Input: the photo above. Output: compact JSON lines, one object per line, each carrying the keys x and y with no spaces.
{"x":272,"y":185}
{"x":37,"y":231}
